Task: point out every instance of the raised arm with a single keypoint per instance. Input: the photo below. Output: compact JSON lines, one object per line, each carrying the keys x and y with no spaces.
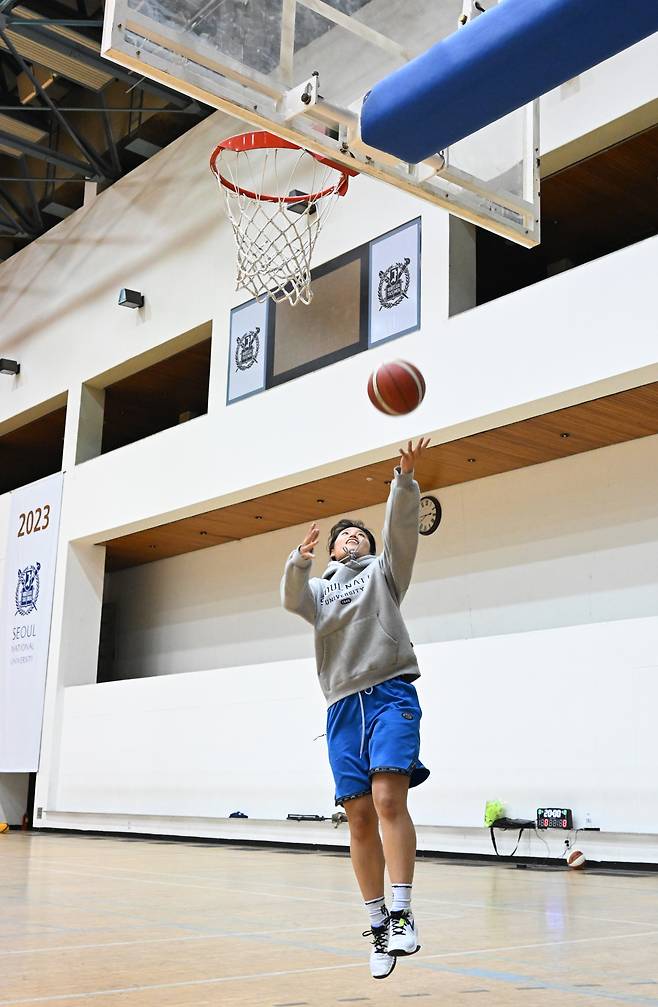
{"x":296,"y":592}
{"x":401,"y":523}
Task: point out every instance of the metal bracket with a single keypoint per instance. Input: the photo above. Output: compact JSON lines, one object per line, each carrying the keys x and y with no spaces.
{"x":299,"y":99}
{"x":470,"y":10}
{"x":431,"y":166}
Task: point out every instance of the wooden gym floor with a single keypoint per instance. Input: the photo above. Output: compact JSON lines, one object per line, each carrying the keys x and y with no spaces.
{"x":131,"y":923}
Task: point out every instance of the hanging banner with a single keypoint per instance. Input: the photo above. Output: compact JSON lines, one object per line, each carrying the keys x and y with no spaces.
{"x":25,"y":620}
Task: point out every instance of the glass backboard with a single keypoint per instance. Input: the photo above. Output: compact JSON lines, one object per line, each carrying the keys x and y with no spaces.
{"x":301,"y":69}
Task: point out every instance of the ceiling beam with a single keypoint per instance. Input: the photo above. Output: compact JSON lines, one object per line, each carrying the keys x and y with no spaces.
{"x":9,"y":100}
{"x":34,"y":202}
{"x":12,"y":227}
{"x":109,"y":135}
{"x":68,"y":47}
{"x":42,"y":178}
{"x":81,"y":144}
{"x":192,"y":109}
{"x":7,"y":218}
{"x":18,"y":211}
{"x":51,"y":156}
{"x":65,"y":23}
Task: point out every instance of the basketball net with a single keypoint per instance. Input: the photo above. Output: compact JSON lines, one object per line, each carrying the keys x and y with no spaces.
{"x":275,"y":235}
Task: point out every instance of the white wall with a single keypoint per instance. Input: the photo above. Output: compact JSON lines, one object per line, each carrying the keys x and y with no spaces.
{"x":533,"y":611}
{"x":609,"y":92}
{"x":540,"y":348}
{"x":561,"y":717}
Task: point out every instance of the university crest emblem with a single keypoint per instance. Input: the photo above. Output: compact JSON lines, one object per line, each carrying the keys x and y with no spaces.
{"x":393,"y":284}
{"x":27,"y":590}
{"x":246,"y":350}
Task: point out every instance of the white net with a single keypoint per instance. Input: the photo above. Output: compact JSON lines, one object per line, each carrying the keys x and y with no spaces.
{"x":275,"y":236}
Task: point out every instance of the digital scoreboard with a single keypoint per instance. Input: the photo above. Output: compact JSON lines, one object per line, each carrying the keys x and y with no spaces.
{"x":554,"y":818}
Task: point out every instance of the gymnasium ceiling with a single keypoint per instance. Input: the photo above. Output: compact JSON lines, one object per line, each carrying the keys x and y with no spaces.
{"x":67,"y":114}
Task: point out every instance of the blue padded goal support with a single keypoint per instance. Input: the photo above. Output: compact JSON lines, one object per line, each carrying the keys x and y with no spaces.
{"x":498,"y":62}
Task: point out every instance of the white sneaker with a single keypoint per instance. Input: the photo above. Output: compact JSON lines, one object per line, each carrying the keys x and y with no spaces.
{"x":381,"y":963}
{"x":403,"y":934}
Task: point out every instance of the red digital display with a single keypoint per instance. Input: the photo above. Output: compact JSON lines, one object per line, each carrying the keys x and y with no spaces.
{"x":554,"y":818}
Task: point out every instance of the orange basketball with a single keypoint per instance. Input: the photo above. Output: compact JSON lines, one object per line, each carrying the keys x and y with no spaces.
{"x":396,"y":388}
{"x":576,"y":859}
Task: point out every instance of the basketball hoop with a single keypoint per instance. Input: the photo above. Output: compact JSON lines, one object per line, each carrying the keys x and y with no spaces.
{"x":275,"y":234}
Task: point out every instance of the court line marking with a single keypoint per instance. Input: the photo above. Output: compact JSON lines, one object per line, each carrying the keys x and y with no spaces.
{"x":507,"y":977}
{"x":350,"y":965}
{"x":475,"y":905}
{"x":535,"y":912}
{"x":235,"y":847}
{"x":417,"y":899}
{"x":221,"y":887}
{"x":178,"y":985}
{"x":540,"y":944}
{"x":212,"y":877}
{"x":168,"y":940}
{"x":155,"y":880}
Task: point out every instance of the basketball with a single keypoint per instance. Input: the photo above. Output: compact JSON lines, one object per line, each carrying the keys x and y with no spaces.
{"x":576,"y":859}
{"x":396,"y":388}
{"x":4,"y":827}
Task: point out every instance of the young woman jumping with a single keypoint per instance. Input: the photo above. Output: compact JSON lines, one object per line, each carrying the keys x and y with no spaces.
{"x":366,"y":669}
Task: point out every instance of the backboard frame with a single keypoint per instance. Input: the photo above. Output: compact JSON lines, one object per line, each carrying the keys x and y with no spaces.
{"x":299,"y":113}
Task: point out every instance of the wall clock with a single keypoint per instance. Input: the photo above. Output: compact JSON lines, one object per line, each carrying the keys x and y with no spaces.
{"x":430,"y":515}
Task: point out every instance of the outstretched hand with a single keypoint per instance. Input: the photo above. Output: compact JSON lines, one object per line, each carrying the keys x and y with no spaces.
{"x":409,"y":457}
{"x":310,"y":541}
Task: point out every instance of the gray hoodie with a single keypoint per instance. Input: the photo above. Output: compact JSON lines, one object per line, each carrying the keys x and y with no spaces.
{"x":360,"y":637}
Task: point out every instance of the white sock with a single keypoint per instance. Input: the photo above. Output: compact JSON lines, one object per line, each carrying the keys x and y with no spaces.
{"x":377,"y":911}
{"x":401,"y":898}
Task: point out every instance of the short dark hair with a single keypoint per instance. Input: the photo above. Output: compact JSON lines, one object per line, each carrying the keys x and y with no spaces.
{"x":348,"y":522}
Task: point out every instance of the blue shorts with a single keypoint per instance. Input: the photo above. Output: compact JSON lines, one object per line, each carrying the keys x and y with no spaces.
{"x":375,"y":731}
